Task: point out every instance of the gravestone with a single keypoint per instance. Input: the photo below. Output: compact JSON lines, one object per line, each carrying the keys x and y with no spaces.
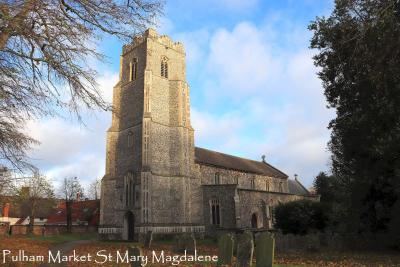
{"x":265,"y":249}
{"x":185,"y":242}
{"x":137,"y":253}
{"x":148,"y":240}
{"x":245,"y":248}
{"x":225,"y":249}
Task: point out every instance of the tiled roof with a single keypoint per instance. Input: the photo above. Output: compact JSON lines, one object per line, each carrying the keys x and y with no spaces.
{"x":83,"y":211}
{"x":295,"y":187}
{"x":213,"y":158}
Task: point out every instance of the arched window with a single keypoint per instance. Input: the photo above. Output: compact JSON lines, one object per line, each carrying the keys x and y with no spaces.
{"x":252,"y":183}
{"x":130,"y":139}
{"x":281,"y":187}
{"x":129,"y":189}
{"x":133,"y":70}
{"x":266,"y":185}
{"x":215,"y":212}
{"x":164,"y":67}
{"x":217,"y":178}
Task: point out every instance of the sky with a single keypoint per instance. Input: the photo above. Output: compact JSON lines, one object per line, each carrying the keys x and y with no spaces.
{"x":254,"y":90}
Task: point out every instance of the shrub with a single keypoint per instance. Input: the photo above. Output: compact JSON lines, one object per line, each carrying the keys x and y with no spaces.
{"x":300,"y":217}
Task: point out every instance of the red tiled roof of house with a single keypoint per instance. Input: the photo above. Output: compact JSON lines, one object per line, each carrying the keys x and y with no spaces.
{"x":82,"y":211}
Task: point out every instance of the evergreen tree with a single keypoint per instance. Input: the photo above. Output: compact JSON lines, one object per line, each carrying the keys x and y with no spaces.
{"x":359,"y":60}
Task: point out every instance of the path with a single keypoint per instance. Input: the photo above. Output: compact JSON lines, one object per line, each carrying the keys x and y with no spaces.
{"x":64,"y":249}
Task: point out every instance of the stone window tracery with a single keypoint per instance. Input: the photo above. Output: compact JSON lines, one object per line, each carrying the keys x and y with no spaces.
{"x":215,"y":212}
{"x":164,"y":67}
{"x":129,"y":190}
{"x":252,"y":183}
{"x":133,"y":70}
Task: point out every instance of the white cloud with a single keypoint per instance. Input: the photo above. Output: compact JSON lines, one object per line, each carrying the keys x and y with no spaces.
{"x":240,"y":60}
{"x":274,"y":89}
{"x":69,"y":148}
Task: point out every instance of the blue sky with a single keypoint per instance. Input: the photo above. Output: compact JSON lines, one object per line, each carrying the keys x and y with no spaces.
{"x":254,"y":89}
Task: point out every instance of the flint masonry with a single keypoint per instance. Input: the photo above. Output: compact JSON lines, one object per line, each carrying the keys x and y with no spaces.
{"x":156,"y":179}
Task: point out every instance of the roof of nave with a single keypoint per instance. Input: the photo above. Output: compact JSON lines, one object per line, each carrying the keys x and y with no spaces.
{"x":213,"y":158}
{"x":296,"y":188}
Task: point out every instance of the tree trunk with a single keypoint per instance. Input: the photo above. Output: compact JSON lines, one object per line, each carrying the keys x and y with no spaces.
{"x":69,"y":215}
{"x":32,"y":216}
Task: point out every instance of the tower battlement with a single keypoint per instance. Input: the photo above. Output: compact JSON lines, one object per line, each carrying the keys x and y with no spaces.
{"x":151,"y":33}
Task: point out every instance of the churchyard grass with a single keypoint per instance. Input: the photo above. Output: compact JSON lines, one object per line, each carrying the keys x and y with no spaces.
{"x":40,"y":245}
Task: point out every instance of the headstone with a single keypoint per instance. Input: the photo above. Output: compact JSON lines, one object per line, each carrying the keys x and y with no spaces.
{"x":245,"y":248}
{"x":265,"y":249}
{"x":185,"y":242}
{"x":135,"y":252}
{"x":148,"y":239}
{"x":225,"y":249}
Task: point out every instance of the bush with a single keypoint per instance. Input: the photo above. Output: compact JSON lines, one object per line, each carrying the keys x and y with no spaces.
{"x":300,"y":217}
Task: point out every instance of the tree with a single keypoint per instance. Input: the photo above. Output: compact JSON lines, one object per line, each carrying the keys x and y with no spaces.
{"x":70,"y":189}
{"x":94,"y":189}
{"x":5,"y":181}
{"x":300,"y":217}
{"x":36,"y":195}
{"x":333,"y":198}
{"x":44,"y":49}
{"x":359,"y":60}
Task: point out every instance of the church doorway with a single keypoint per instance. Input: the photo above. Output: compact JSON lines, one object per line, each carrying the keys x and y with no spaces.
{"x":129,"y":226}
{"x":254,"y":223}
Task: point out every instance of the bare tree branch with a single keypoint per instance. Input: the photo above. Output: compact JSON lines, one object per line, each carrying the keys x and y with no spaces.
{"x":44,"y":47}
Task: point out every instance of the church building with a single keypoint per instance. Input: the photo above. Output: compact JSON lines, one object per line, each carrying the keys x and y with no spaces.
{"x":156,"y":179}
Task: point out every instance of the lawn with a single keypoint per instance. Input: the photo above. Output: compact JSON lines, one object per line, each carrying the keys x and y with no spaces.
{"x":57,"y":239}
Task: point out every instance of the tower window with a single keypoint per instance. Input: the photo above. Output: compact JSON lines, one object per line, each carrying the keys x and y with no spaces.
{"x":215,"y":212}
{"x":130,"y":139}
{"x":126,"y":195}
{"x":133,"y":70}
{"x":164,"y":68}
{"x":281,"y":187}
{"x":252,"y":183}
{"x":266,"y":185}
{"x":217,"y":178}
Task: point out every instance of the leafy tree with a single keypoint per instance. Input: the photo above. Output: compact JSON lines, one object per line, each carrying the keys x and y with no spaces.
{"x":71,"y":190}
{"x":333,"y":199}
{"x":300,"y":217}
{"x":44,"y":49}
{"x":359,"y":60}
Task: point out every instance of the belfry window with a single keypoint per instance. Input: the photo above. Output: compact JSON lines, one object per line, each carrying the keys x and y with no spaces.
{"x":133,"y":70}
{"x":164,"y":68}
{"x":281,"y":187}
{"x":252,"y":183}
{"x":267,"y":185}
{"x":215,"y":212}
{"x":217,"y":178}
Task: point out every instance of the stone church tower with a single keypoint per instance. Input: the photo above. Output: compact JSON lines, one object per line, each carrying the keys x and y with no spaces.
{"x":156,"y":180}
{"x":149,"y":183}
